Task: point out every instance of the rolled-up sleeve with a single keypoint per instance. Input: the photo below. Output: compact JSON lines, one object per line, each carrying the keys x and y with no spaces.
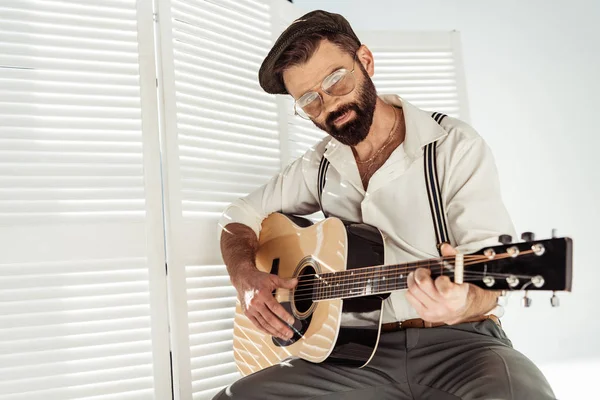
{"x":291,"y":191}
{"x":476,"y":212}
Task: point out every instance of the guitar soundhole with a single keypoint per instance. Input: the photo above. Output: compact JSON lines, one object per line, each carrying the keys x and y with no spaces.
{"x":301,"y":306}
{"x":303,"y":292}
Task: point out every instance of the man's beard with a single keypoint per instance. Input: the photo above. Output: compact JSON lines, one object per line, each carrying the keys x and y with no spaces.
{"x":356,"y":130}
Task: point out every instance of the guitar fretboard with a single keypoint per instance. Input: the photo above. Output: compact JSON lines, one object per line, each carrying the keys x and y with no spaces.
{"x":371,"y":280}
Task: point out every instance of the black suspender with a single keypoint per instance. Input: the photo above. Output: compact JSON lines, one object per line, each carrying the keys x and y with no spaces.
{"x":433,"y":190}
{"x":321,"y":179}
{"x":431,"y":180}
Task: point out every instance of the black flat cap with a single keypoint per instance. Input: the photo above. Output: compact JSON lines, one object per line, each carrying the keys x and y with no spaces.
{"x":314,"y":21}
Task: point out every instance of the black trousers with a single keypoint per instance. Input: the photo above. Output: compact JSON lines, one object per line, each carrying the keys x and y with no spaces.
{"x":465,"y":361}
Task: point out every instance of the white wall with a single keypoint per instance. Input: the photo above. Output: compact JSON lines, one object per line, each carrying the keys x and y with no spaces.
{"x":533,"y":81}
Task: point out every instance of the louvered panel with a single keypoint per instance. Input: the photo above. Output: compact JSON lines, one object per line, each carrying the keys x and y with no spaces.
{"x":43,"y":133}
{"x":232,"y":165}
{"x":247,"y":111}
{"x":221,"y":79}
{"x":115,"y":388}
{"x":58,"y":378}
{"x":52,"y":98}
{"x":219,"y":121}
{"x":57,"y":332}
{"x":427,"y":78}
{"x":78,"y":196}
{"x":194,"y":42}
{"x":60,"y":82}
{"x":212,"y":348}
{"x":248,"y":33}
{"x":66,"y":194}
{"x":222,"y":113}
{"x":79,"y":341}
{"x":56,"y":32}
{"x":211,"y":305}
{"x":94,"y":355}
{"x":224,"y":139}
{"x":52,"y":341}
{"x":40,"y":100}
{"x":16,"y":34}
{"x":192,"y":59}
{"x":218,"y":143}
{"x":302,"y":134}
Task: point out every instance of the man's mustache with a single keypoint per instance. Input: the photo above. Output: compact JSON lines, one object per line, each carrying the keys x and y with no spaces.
{"x":339,"y":112}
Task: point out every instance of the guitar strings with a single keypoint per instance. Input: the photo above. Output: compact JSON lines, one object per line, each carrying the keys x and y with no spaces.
{"x":365,"y":271}
{"x":389,"y":281}
{"x":379,"y":290}
{"x":345,"y":282}
{"x":411,"y":264}
{"x":472,"y":260}
{"x":473,"y":275}
{"x":381,"y":287}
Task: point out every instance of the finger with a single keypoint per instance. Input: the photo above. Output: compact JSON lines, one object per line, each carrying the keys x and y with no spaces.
{"x":417,"y":305}
{"x":286,"y":283}
{"x":423,"y":279}
{"x":266,"y":326}
{"x":418,"y":293}
{"x":444,"y":285}
{"x":283,"y":331}
{"x":279,"y":311}
{"x":447,"y":250}
{"x":258,"y":324}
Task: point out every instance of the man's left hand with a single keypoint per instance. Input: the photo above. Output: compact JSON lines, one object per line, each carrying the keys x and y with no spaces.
{"x":441,"y":300}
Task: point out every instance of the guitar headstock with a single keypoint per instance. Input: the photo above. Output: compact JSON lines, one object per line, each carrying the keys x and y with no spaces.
{"x":528,"y":265}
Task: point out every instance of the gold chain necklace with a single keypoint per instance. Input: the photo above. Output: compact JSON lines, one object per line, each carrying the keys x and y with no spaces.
{"x":369,"y":162}
{"x":387,"y":142}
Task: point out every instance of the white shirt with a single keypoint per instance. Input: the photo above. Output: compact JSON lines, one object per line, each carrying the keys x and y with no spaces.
{"x":396,"y":200}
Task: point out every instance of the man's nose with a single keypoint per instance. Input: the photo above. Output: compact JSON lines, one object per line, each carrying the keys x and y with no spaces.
{"x":330,"y":103}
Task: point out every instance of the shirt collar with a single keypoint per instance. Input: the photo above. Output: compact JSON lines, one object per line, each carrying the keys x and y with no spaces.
{"x":421,"y":129}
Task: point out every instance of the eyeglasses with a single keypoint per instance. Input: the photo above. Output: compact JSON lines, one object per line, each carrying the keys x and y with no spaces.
{"x":338,"y":83}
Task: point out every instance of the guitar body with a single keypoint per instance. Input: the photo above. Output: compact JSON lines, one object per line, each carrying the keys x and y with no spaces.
{"x":344,"y":331}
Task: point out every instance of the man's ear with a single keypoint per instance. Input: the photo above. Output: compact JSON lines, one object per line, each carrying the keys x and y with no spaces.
{"x":365,"y":57}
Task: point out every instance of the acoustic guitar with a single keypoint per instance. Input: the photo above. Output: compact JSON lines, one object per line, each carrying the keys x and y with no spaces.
{"x":342,"y":283}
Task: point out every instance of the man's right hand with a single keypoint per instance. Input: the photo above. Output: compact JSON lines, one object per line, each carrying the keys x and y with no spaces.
{"x":255,"y":292}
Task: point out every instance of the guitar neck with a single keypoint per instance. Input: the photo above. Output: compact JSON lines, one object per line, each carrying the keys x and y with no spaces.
{"x":373,"y":280}
{"x":539,"y":265}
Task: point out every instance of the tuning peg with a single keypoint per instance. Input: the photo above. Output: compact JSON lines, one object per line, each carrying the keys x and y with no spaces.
{"x":526,"y":301}
{"x":528,"y":236}
{"x":505,"y":239}
{"x":554,"y":300}
{"x":553,"y":233}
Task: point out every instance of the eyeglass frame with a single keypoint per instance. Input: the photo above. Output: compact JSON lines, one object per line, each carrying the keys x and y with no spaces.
{"x":325,"y":91}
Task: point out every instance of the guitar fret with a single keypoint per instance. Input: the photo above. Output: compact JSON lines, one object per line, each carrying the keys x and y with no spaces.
{"x":356,"y":286}
{"x":348,"y":283}
{"x":385,"y":271}
{"x":331,"y":282}
{"x":375,"y":275}
{"x":335,"y":285}
{"x":318,"y":287}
